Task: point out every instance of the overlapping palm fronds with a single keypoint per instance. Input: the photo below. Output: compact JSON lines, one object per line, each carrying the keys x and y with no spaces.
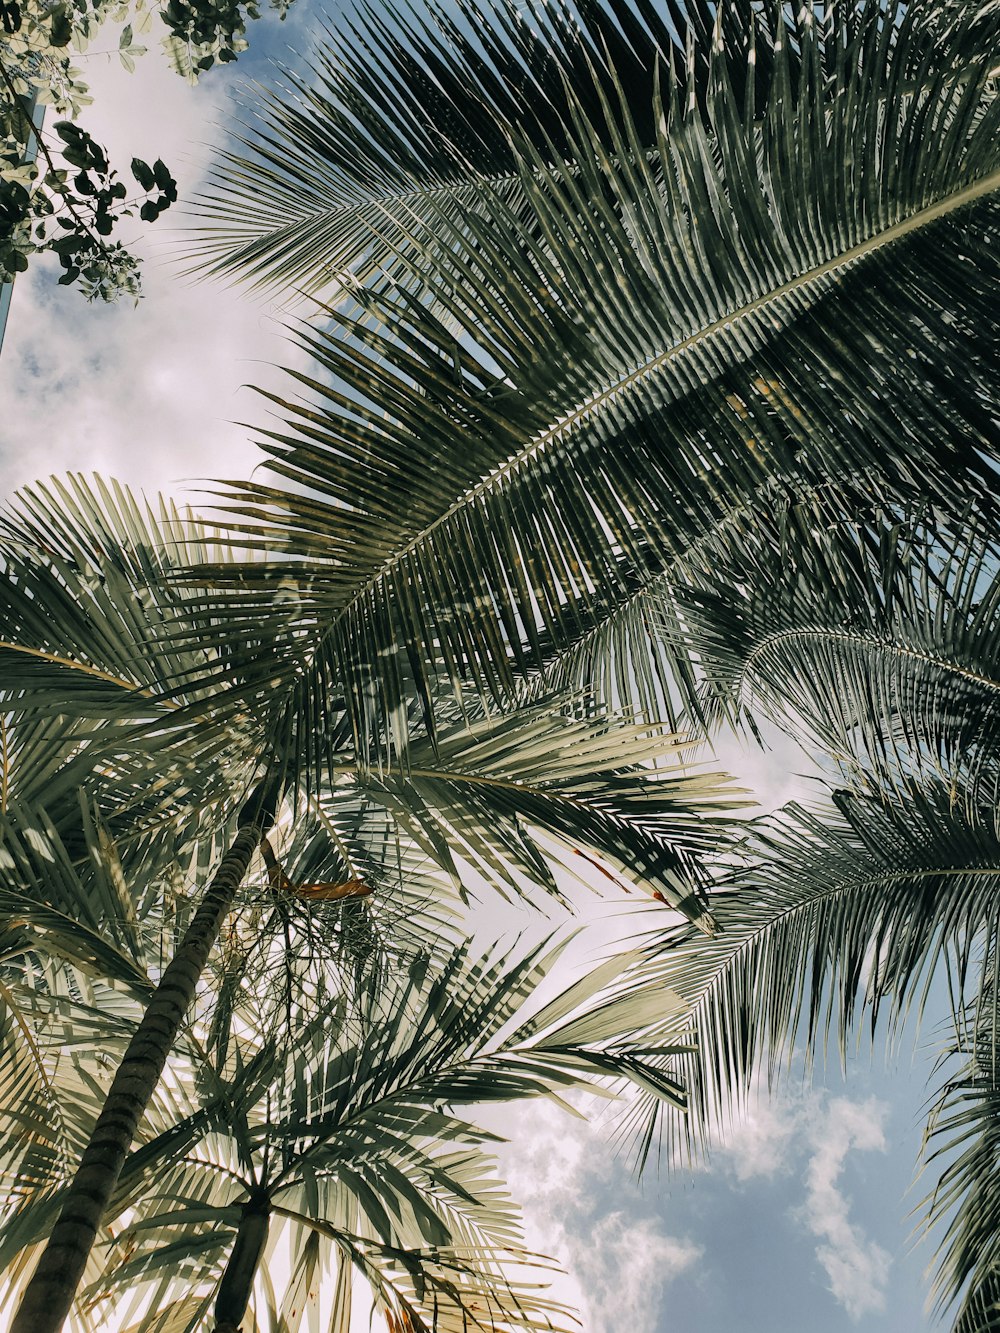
{"x":349,"y":1141}
{"x":961,"y":1146}
{"x":96,"y":599}
{"x":874,"y":643}
{"x":663,"y":275}
{"x":407,"y":115}
{"x":87,"y":598}
{"x":102,"y":603}
{"x":826,"y":921}
{"x":682,"y":326}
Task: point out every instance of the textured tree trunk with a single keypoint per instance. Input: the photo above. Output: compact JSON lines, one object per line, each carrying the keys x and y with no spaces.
{"x":237,"y":1280}
{"x":49,"y":1294}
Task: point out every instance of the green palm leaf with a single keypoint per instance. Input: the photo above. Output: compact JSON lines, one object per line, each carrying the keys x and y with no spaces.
{"x":408,"y":116}
{"x":473,"y":493}
{"x":87,"y":598}
{"x":875,"y":643}
{"x":962,"y":1143}
{"x":826,"y":921}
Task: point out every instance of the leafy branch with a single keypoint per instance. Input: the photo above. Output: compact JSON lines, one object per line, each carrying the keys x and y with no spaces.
{"x":71,"y":215}
{"x":85,"y":208}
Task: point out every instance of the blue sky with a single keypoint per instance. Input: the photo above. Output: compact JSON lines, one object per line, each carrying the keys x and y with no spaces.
{"x":797,"y":1222}
{"x":801,"y":1221}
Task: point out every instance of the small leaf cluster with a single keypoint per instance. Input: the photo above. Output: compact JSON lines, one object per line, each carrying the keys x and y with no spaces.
{"x":204,"y":33}
{"x":71,"y":211}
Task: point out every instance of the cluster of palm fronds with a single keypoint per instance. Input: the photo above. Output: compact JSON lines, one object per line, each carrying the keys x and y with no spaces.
{"x":653,"y":393}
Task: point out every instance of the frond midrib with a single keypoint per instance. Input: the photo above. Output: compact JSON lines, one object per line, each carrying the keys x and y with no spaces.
{"x":625,"y":383}
{"x":458,"y":190}
{"x":85,"y":669}
{"x":857,"y":638}
{"x":830,"y":892}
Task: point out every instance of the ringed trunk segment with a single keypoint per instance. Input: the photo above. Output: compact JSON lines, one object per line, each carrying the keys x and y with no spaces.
{"x":49,"y":1295}
{"x":244,"y":1260}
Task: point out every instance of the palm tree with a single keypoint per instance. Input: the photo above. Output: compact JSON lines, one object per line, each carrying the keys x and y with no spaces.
{"x":478,"y":791}
{"x":345,"y":1148}
{"x":529,"y":422}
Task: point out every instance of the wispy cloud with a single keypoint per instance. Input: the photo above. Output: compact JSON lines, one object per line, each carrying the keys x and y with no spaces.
{"x":857,"y":1268}
{"x":760,"y":1143}
{"x":584,"y":1209}
{"x":628,"y":1264}
{"x":808,"y":1133}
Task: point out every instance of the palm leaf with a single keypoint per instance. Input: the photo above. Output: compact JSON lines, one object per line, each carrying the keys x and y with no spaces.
{"x":86,"y":599}
{"x":609,"y":383}
{"x":874,"y":643}
{"x":828,"y":920}
{"x":962,"y":1144}
{"x":407,"y":116}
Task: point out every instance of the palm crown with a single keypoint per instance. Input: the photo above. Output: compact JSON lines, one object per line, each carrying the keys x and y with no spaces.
{"x":343,"y":1143}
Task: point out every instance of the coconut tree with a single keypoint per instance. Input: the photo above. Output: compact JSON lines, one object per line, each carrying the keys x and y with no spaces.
{"x":84,"y":597}
{"x":63,"y":1032}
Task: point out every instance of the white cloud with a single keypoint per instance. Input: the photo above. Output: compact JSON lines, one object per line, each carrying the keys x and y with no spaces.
{"x":805,"y":1131}
{"x":582,"y":1208}
{"x":628,"y":1264}
{"x":857,"y":1268}
{"x":619,"y":1260}
{"x":147,"y":394}
{"x":759,"y":1143}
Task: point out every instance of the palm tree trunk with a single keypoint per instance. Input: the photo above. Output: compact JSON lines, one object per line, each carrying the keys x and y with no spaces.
{"x":49,"y":1294}
{"x":237,"y":1280}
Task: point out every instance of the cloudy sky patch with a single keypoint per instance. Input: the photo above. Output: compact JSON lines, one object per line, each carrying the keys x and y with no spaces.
{"x":858,"y":1269}
{"x":581,"y":1206}
{"x":147,"y":394}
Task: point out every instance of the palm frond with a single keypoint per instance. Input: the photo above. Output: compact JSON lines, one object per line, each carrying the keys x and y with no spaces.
{"x":676,"y":328}
{"x":875,"y":643}
{"x":640,"y":654}
{"x":599,"y":785}
{"x":405,"y":115}
{"x":69,"y":902}
{"x":962,"y":1143}
{"x":86,"y":601}
{"x":827,"y":920}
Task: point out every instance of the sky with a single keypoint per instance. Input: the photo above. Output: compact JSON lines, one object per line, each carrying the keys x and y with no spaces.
{"x":800,"y":1220}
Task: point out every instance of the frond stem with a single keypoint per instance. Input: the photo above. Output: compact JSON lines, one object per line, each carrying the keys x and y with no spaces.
{"x":856,"y":638}
{"x":594,"y":402}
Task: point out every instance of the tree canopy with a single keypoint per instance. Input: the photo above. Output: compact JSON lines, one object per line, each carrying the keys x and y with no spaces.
{"x":59,"y":193}
{"x":653,"y":395}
